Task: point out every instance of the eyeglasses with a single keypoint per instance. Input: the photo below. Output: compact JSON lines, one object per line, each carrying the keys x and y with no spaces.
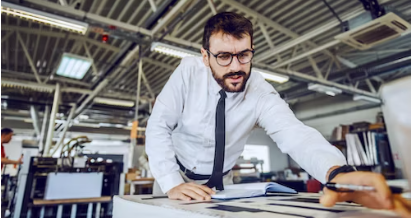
{"x":225,"y":58}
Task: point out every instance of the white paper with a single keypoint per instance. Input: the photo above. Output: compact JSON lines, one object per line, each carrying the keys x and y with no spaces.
{"x":250,"y":190}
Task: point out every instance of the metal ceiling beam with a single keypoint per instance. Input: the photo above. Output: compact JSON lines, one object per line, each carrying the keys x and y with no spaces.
{"x":5,"y":37}
{"x":160,"y":64}
{"x":54,"y":111}
{"x":65,"y":128}
{"x":350,"y":64}
{"x":212,"y":6}
{"x":93,"y":65}
{"x":89,"y":98}
{"x":294,"y":52}
{"x":366,"y":71}
{"x":311,"y":79}
{"x":51,"y":88}
{"x":9,"y":73}
{"x":170,"y":16}
{"x":35,"y":118}
{"x":53,"y":56}
{"x":188,"y":23}
{"x":267,"y":39}
{"x":71,"y":36}
{"x":314,"y":64}
{"x":315,"y":50}
{"x":266,"y":20}
{"x":43,"y":128}
{"x":147,"y":84}
{"x":89,"y":16}
{"x":33,"y":67}
{"x":153,"y":5}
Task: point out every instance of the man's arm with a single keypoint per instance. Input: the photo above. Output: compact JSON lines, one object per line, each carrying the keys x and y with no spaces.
{"x":163,"y":119}
{"x":319,"y":158}
{"x":5,"y":160}
{"x":159,"y":147}
{"x":304,"y":144}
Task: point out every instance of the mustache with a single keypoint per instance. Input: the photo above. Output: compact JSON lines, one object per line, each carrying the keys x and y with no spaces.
{"x":239,"y":73}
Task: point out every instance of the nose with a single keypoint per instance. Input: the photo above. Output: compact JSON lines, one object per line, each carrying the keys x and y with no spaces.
{"x":235,"y":65}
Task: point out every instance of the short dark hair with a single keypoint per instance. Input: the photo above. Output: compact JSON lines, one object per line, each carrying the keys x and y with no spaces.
{"x":229,"y":23}
{"x":6,"y":131}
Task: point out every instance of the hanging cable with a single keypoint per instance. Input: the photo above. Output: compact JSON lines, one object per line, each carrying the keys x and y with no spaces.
{"x":332,"y":10}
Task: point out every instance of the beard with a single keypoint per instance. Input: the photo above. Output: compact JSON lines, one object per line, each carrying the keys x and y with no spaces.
{"x":229,"y":86}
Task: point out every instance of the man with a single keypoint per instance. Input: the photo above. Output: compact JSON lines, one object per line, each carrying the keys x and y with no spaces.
{"x":206,"y":111}
{"x":6,"y":135}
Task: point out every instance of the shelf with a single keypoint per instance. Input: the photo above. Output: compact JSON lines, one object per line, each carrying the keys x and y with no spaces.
{"x":38,"y":202}
{"x":338,"y":143}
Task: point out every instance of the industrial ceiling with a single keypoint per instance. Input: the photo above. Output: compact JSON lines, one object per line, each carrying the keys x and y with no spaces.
{"x":301,"y":34}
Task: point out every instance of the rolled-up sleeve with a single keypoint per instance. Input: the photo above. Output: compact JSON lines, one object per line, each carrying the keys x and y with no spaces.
{"x":303,"y":143}
{"x":163,"y":119}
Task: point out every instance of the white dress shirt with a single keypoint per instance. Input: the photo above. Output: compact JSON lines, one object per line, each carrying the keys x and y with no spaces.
{"x":182,"y":125}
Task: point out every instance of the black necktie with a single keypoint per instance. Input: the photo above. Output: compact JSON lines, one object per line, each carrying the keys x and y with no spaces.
{"x":216,"y":179}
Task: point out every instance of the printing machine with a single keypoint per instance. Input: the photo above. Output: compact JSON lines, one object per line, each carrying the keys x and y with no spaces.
{"x":80,"y":177}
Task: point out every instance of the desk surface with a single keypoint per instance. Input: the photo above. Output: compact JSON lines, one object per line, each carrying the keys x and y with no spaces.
{"x":274,"y":205}
{"x":41,"y":202}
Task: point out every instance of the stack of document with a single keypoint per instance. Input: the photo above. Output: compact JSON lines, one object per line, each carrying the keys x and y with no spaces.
{"x":363,"y":152}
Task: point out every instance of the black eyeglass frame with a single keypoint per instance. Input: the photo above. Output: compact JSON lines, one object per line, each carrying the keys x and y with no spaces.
{"x":232,"y":56}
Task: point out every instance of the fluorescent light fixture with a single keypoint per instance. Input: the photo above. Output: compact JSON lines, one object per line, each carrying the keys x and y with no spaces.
{"x":271,"y":76}
{"x":91,"y":125}
{"x":111,"y":125}
{"x":331,"y":91}
{"x":366,"y":98}
{"x":173,"y":50}
{"x":83,"y":117}
{"x":116,"y":102}
{"x":44,"y":18}
{"x":74,"y":66}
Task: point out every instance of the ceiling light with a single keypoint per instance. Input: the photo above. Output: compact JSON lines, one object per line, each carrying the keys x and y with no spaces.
{"x":83,"y":117}
{"x":74,"y":66}
{"x":331,"y":91}
{"x":111,"y":125}
{"x":91,"y":125}
{"x":271,"y":76}
{"x":366,"y":98}
{"x":116,"y":102}
{"x":44,"y":18}
{"x":173,"y":50}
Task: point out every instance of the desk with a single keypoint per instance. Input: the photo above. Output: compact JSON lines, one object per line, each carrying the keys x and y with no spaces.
{"x":303,"y":205}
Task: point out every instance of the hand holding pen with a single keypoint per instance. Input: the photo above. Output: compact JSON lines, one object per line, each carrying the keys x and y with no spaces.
{"x":374,"y":193}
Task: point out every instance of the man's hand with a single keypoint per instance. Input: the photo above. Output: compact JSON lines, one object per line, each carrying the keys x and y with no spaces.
{"x":188,"y":191}
{"x":381,"y":198}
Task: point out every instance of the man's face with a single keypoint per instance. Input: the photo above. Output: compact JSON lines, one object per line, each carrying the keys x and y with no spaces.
{"x":6,"y":138}
{"x":233,"y":77}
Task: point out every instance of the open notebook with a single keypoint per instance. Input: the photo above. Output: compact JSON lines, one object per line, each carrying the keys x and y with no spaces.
{"x":247,"y":190}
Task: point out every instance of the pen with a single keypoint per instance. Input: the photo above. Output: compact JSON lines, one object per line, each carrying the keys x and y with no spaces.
{"x":350,"y":188}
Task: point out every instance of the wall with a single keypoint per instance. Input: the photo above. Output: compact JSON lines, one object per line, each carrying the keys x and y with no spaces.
{"x":278,"y":160}
{"x":327,"y":104}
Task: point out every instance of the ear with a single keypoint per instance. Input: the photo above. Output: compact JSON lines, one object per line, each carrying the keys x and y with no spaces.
{"x":204,"y":54}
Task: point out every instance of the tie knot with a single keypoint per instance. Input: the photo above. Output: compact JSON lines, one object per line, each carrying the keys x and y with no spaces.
{"x":222,"y":93}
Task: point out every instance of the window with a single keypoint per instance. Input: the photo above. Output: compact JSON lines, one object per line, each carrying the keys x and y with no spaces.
{"x":261,"y":152}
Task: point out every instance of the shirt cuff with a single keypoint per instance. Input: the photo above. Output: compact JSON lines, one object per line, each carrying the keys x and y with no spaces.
{"x":327,"y":166}
{"x":170,"y":181}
